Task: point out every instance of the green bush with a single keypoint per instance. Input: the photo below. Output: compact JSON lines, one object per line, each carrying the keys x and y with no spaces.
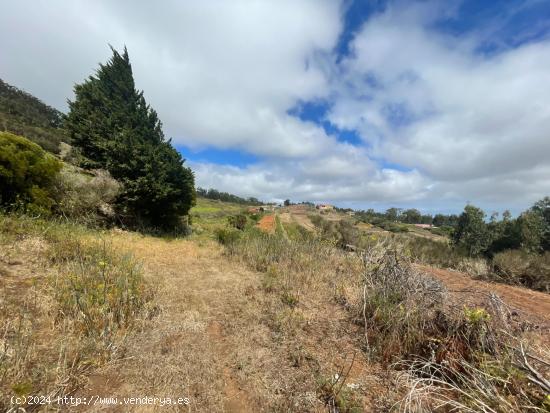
{"x":393,"y":227}
{"x":27,"y":173}
{"x":227,"y":236}
{"x":238,"y":221}
{"x":444,"y":231}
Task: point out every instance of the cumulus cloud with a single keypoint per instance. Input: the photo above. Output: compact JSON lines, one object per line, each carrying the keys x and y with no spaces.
{"x":295,"y":181}
{"x":475,"y":124}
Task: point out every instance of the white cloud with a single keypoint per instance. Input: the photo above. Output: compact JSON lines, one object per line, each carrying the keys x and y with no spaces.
{"x":467,"y":127}
{"x":272,"y":182}
{"x":471,"y":121}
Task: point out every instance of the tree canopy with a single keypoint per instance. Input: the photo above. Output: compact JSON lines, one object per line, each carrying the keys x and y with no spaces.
{"x":115,"y":129}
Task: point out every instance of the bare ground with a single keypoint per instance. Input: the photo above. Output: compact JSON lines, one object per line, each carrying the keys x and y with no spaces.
{"x":530,"y":305}
{"x":267,"y":223}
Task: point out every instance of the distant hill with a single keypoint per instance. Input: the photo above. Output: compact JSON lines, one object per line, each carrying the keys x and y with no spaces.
{"x":23,"y":114}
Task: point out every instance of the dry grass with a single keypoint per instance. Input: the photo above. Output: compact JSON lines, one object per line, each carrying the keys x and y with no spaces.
{"x":406,"y":316}
{"x":282,"y":322}
{"x":519,"y":267}
{"x":66,"y":304}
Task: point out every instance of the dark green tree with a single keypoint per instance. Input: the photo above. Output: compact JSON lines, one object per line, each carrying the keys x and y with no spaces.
{"x":115,"y":129}
{"x":471,"y":233}
{"x":392,"y":214}
{"x":531,"y":229}
{"x":411,"y":216}
{"x":542,"y":208}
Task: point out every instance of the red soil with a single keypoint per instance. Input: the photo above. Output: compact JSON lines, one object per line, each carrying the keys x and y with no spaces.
{"x":267,"y":224}
{"x":531,"y":305}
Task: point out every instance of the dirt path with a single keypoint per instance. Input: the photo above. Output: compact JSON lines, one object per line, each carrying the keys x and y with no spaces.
{"x":534,"y":305}
{"x":267,"y":223}
{"x":221,"y":340}
{"x":187,"y":349}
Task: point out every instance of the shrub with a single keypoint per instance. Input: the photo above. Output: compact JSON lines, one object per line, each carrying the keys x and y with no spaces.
{"x":342,"y":233}
{"x":433,"y":252}
{"x":399,"y":304}
{"x":519,"y":267}
{"x":477,"y":267}
{"x":227,"y":236}
{"x":391,"y":226}
{"x":238,"y":221}
{"x":85,"y":197}
{"x":444,"y":231}
{"x":27,"y":173}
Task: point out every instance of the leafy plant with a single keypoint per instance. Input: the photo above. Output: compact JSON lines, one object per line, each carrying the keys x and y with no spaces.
{"x":27,"y":174}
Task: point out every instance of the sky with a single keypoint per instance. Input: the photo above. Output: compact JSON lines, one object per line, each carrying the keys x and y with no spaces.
{"x":364,"y":104}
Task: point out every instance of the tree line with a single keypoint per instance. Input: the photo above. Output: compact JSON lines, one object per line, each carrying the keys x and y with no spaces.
{"x":226,"y":197}
{"x":530,"y":231}
{"x":406,"y":216}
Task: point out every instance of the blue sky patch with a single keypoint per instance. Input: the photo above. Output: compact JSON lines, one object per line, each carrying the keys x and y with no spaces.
{"x":233,"y":157}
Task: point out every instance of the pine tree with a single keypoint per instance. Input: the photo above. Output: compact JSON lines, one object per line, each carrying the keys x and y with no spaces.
{"x":114,"y":129}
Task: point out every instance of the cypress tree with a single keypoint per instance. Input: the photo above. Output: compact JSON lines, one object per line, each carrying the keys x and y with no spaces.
{"x":115,"y":129}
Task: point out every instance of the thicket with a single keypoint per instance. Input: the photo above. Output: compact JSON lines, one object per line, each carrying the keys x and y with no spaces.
{"x":114,"y":128}
{"x":517,"y":249}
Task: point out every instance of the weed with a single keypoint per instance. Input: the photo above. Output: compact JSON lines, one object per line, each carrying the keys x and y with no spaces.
{"x":99,"y":289}
{"x":227,"y":236}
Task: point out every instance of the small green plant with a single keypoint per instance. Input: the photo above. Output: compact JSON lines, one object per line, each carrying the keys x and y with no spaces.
{"x":290,"y":299}
{"x":476,"y":316}
{"x":27,"y":173}
{"x":337,"y":396}
{"x":270,"y":280}
{"x":227,"y":236}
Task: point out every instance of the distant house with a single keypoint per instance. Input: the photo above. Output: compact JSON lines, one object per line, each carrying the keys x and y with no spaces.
{"x":254,"y":210}
{"x":351,"y":213}
{"x":424,"y":225}
{"x":324,"y":207}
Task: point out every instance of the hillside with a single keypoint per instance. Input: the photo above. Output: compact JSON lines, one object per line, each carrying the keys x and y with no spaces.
{"x":23,"y":114}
